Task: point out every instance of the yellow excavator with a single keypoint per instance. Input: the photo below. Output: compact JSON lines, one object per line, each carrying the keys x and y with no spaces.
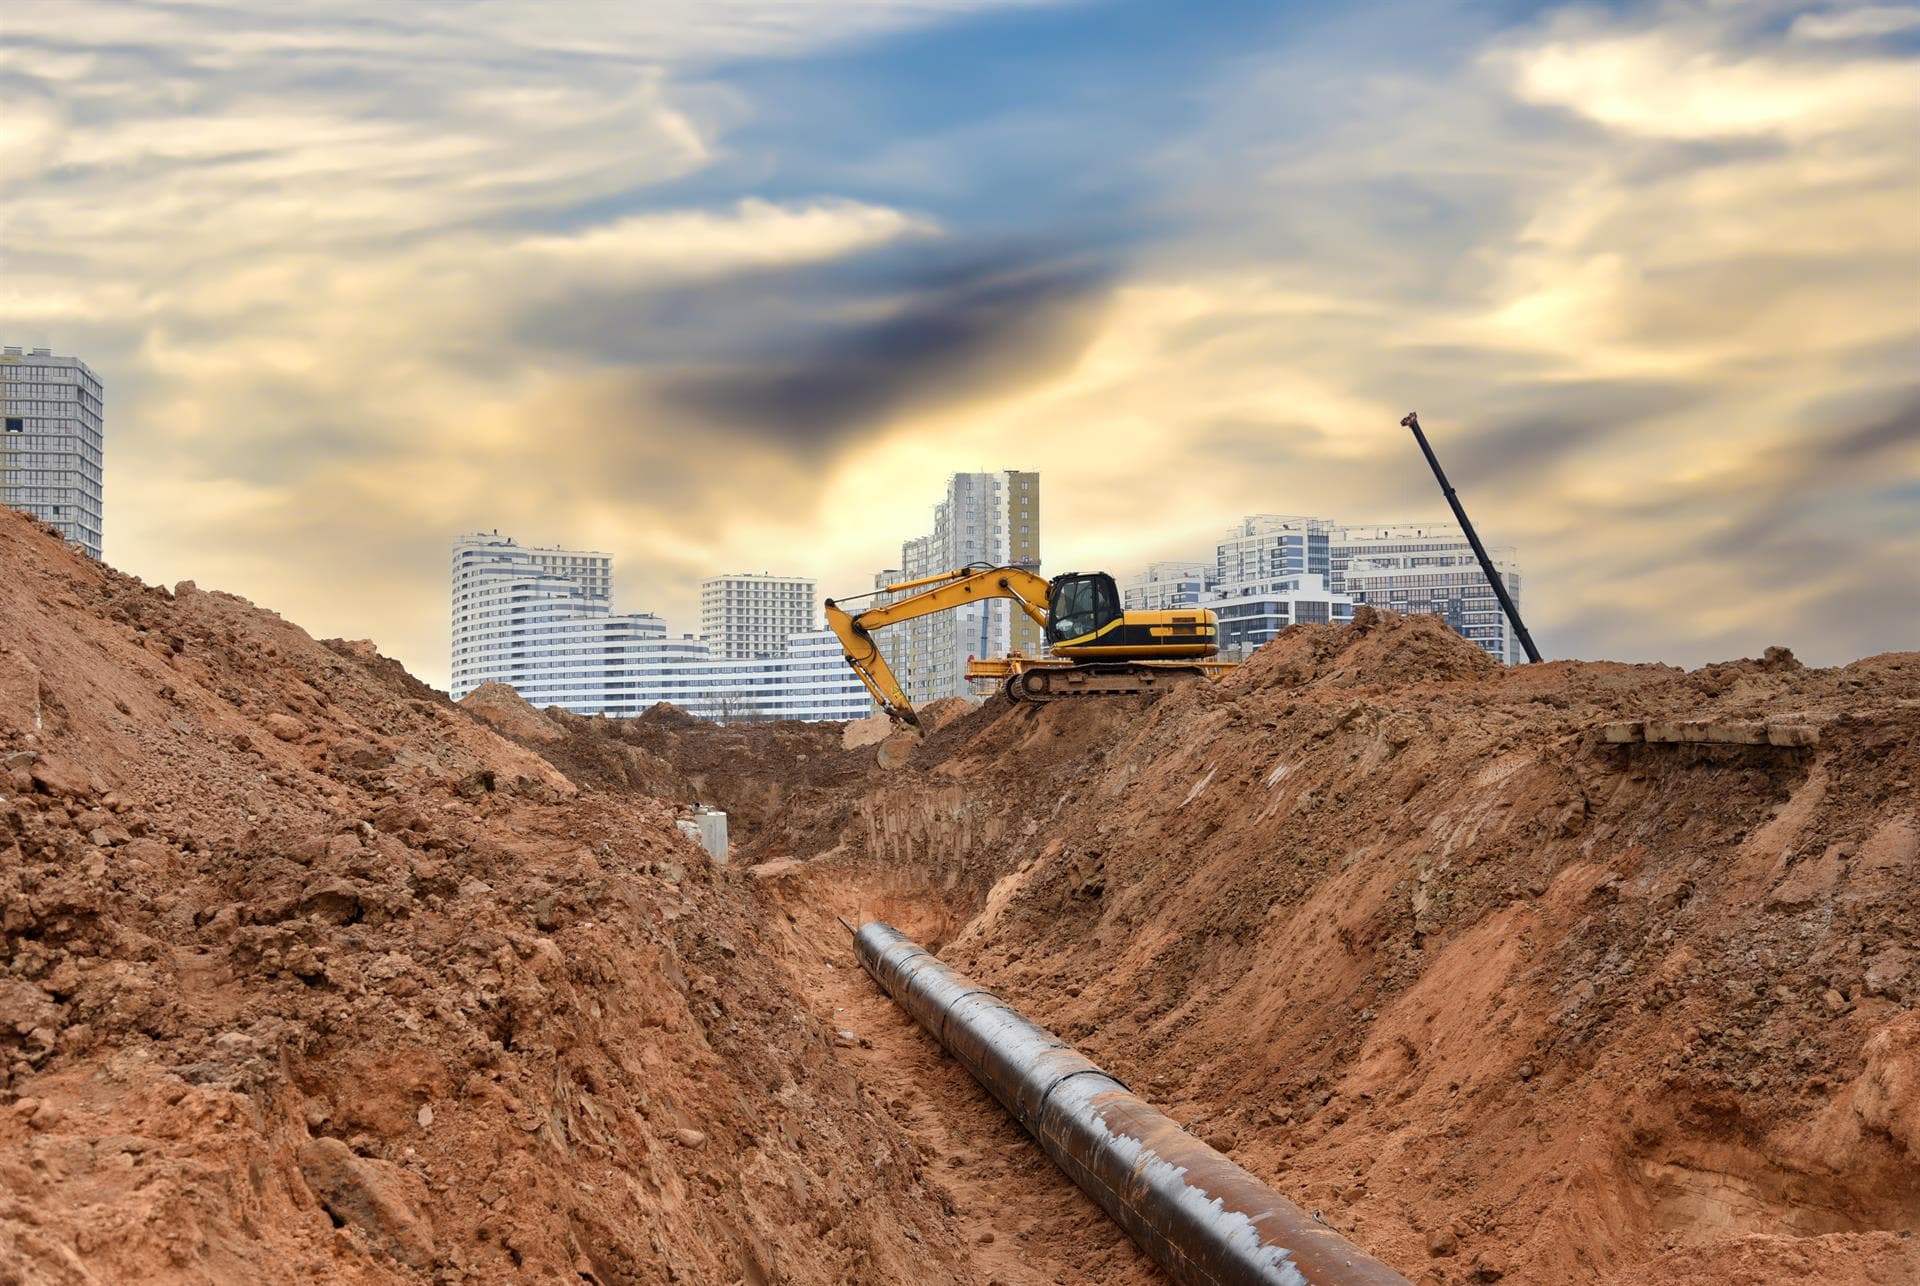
{"x":1098,"y":650}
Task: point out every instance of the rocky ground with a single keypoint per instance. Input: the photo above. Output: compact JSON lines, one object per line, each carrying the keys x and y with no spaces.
{"x":308,"y":975}
{"x":1558,"y":974}
{"x":1409,"y":936}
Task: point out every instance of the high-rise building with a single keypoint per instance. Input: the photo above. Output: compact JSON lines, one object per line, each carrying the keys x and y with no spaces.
{"x":1429,"y":567}
{"x":1022,"y":501}
{"x":51,"y":440}
{"x":537,"y":618}
{"x":1167,"y":585}
{"x":541,"y":621}
{"x":1271,"y":571}
{"x":985,"y":518}
{"x":1261,"y":547}
{"x":746,"y":615}
{"x":1275,"y":570}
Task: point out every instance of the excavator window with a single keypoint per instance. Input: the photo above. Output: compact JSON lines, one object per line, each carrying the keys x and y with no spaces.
{"x":1081,"y":605}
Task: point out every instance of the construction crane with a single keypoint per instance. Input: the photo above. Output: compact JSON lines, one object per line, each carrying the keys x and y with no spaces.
{"x":1412,"y":421}
{"x":1098,"y":650}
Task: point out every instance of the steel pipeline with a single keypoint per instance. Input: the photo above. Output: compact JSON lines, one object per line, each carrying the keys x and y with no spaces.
{"x":1200,"y":1216}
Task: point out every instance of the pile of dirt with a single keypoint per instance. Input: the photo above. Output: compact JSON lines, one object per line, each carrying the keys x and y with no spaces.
{"x":1378,"y":650}
{"x":511,"y":715}
{"x":306,"y":973}
{"x":787,"y":786}
{"x":1407,"y":934}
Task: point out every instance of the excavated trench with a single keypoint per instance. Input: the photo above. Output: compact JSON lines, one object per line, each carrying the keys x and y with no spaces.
{"x":915,"y":860}
{"x":1021,"y":1219}
{"x":1396,"y":932}
{"x":1572,"y":973}
{"x":929,"y":864}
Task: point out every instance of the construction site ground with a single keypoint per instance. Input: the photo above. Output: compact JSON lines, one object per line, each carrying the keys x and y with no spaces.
{"x":1578,"y":972}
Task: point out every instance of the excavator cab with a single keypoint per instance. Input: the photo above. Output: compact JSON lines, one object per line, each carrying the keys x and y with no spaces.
{"x":1080,"y":605}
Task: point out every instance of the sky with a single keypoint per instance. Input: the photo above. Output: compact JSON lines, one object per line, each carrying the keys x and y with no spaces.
{"x":734,"y":285}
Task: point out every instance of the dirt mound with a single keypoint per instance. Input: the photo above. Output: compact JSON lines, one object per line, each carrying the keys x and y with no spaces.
{"x":511,"y":714}
{"x":936,"y":715}
{"x":869,"y":731}
{"x":667,"y":715}
{"x":1408,"y":935}
{"x":309,"y":974}
{"x":1379,"y":649}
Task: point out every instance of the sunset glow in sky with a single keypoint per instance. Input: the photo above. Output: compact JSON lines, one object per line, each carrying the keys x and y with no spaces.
{"x":725,"y":285}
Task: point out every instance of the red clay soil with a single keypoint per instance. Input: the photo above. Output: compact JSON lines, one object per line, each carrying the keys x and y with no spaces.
{"x":309,"y":975}
{"x":1404,"y":934}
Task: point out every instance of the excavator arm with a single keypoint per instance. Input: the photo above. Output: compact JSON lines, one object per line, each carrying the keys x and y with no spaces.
{"x":937,"y":594}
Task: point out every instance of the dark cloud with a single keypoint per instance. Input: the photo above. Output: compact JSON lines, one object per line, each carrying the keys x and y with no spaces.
{"x":1870,"y":607}
{"x":720,"y":399}
{"x":1517,"y":431}
{"x":1869,"y":441}
{"x":1788,"y":513}
{"x":1860,"y":604}
{"x":1778,"y":514}
{"x":992,"y":332}
{"x":805,"y":361}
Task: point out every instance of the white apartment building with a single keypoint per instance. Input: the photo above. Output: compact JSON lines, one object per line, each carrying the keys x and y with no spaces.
{"x":746,"y":615}
{"x":811,"y":681}
{"x":1430,"y":567}
{"x":1164,"y":586}
{"x":1261,"y":547}
{"x":52,"y":437}
{"x":517,"y":619}
{"x":1275,"y":570}
{"x":986,"y":518}
{"x":1271,"y":571}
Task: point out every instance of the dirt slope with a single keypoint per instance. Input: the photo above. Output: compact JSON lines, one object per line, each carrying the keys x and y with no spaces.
{"x":308,"y":975}
{"x":1404,"y":933}
{"x":311,"y":975}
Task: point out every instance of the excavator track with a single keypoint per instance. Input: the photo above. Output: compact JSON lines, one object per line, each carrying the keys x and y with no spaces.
{"x":1058,"y":683}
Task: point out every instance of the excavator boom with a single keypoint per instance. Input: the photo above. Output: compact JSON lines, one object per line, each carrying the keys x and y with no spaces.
{"x":938,"y":594}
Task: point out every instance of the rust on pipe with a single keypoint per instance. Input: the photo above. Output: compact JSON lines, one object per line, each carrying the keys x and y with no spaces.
{"x":1201,"y":1217}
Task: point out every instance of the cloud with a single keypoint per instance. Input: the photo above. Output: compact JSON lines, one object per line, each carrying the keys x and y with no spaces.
{"x":1626,"y":340}
{"x":1522,"y":432}
{"x":1000,"y":324}
{"x":755,"y":234}
{"x":298,"y":242}
{"x":362,"y":277}
{"x":1887,"y":436}
{"x":1856,"y":24}
{"x":1681,"y":81}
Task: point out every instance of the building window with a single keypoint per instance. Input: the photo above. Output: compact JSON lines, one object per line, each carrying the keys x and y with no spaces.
{"x":16,"y":425}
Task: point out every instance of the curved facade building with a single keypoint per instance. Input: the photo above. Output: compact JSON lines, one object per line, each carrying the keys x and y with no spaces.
{"x":540,"y":620}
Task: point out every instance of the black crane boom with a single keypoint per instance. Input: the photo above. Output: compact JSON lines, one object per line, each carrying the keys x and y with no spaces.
{"x":1412,"y":421}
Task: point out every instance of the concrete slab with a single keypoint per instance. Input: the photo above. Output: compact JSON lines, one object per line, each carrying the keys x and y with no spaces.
{"x":1792,"y":734}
